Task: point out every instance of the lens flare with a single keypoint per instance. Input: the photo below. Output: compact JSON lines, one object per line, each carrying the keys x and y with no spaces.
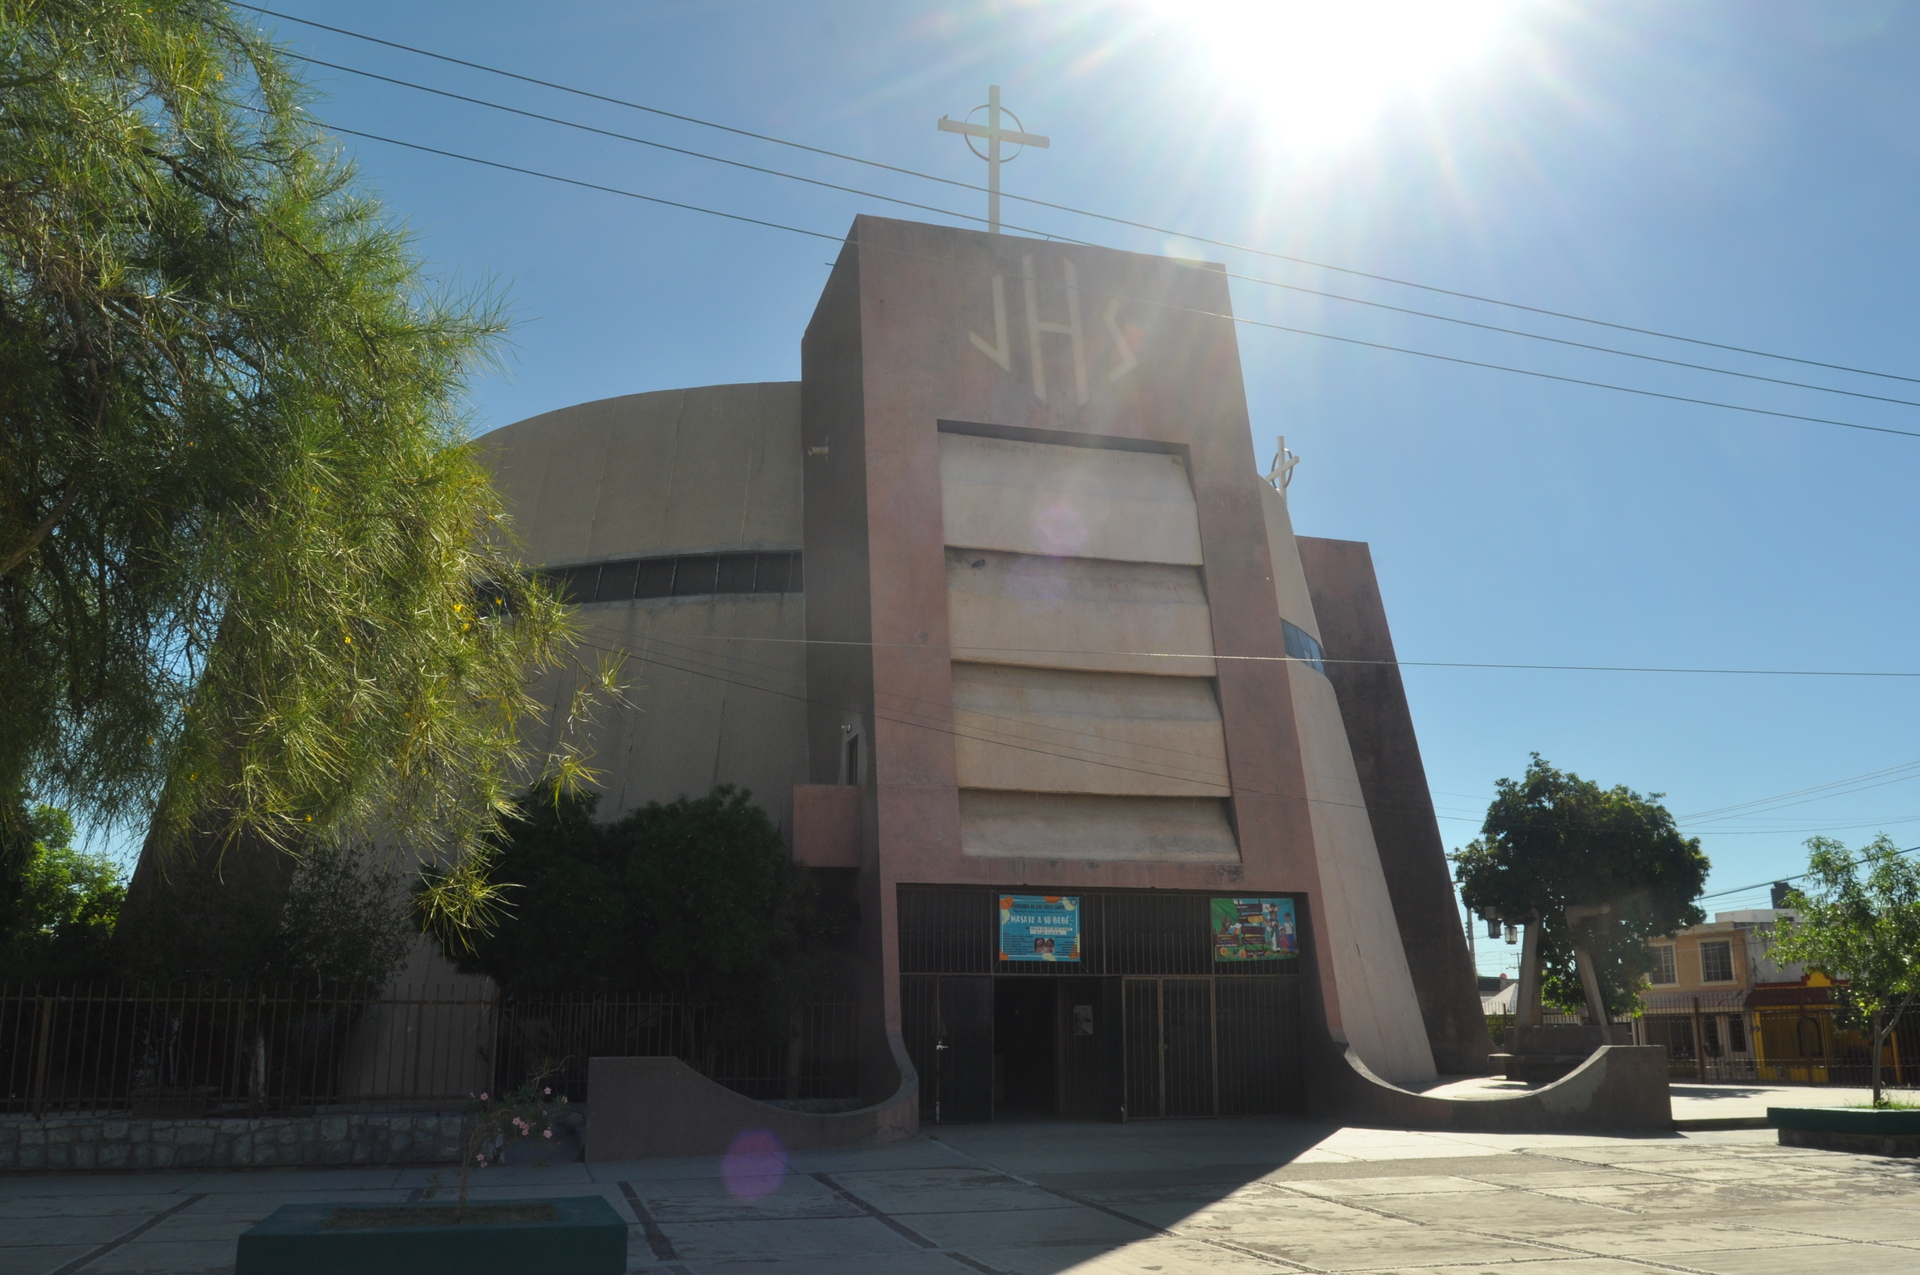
{"x":754,"y":1166}
{"x":1321,"y":71}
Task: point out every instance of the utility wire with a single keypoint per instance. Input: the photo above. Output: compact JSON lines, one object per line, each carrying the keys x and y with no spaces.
{"x":1244,"y":278}
{"x":1082,"y":212}
{"x":961,"y":652}
{"x":1163,"y":305}
{"x":1801,"y":792}
{"x":1721,"y":894}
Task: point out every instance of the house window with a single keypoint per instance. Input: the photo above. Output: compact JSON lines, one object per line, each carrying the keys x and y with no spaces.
{"x":850,"y":761}
{"x":1736,"y":1034}
{"x":1716,"y":962}
{"x":1663,"y":964}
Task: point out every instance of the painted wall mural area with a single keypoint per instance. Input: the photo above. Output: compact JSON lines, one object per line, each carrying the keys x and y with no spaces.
{"x":1039,"y":927}
{"x":1254,"y":930}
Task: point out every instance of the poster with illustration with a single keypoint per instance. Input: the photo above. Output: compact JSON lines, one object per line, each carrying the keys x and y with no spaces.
{"x":1254,"y":930}
{"x":1039,"y":927}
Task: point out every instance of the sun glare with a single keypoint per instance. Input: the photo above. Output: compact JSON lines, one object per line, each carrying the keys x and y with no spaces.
{"x":1322,"y":70}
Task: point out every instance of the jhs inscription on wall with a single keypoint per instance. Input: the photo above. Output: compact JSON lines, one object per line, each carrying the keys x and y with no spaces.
{"x":1000,"y":349}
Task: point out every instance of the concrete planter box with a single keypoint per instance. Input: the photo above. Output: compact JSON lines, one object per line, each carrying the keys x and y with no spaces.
{"x":588,"y":1238}
{"x":1859,"y":1130}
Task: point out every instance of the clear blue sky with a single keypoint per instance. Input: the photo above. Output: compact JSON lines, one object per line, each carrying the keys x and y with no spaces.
{"x":1743,"y":172}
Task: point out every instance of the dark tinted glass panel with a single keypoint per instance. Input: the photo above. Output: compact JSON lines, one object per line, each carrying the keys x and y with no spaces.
{"x":1302,"y":645}
{"x":735,"y":573}
{"x":963,"y":1071}
{"x":1258,"y":1025}
{"x":1157,"y":934}
{"x":616,"y":581}
{"x":1186,"y":1024}
{"x":575,"y":584}
{"x":1143,"y":1048}
{"x":654,"y":579}
{"x":948,"y":931}
{"x":794,"y":584}
{"x":773,"y":572}
{"x":695,"y":573}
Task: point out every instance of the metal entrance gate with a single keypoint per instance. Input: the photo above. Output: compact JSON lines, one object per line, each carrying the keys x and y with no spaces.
{"x":1177,"y":1036}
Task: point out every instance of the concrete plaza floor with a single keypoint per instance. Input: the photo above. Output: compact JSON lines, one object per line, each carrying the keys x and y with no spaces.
{"x":1172,"y":1197}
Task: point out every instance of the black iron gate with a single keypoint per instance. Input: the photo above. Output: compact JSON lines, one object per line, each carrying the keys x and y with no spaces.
{"x":1180,"y":1036}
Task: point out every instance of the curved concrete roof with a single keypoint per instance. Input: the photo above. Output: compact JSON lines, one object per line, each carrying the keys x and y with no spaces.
{"x":673,"y":471}
{"x":717,"y":681}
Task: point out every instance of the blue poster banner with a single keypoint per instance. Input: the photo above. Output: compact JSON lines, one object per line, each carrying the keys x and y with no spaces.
{"x":1039,"y":927}
{"x":1254,"y":930}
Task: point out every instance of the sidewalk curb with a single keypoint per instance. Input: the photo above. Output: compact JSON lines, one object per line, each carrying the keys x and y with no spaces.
{"x":1720,"y":1122}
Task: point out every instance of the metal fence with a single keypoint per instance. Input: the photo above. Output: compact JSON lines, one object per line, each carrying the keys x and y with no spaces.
{"x":235,"y":1049}
{"x":1720,"y":1039}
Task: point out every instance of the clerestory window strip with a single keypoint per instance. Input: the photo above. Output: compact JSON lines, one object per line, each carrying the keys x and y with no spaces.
{"x":681,"y":575}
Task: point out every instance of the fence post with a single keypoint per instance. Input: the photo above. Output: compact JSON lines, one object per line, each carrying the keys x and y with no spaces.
{"x":40,"y":1059}
{"x":1699,"y":1044}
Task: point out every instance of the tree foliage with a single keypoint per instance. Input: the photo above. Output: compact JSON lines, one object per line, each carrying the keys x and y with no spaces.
{"x":338,"y":914}
{"x":67,"y":902}
{"x":1858,"y":923}
{"x":1552,"y":840}
{"x":695,"y":899}
{"x":254,"y":578}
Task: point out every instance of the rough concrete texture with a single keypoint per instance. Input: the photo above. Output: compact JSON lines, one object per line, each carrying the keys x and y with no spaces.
{"x":649,"y":1107}
{"x":91,"y":1142}
{"x":1352,"y":619}
{"x":1622,"y":1088}
{"x":1175,"y":1198}
{"x":718,"y":682}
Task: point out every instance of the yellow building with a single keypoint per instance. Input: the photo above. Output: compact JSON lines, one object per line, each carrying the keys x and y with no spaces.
{"x":1726,"y":1011}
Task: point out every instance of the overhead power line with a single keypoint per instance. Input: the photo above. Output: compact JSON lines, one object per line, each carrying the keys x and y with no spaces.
{"x":1762,"y":885}
{"x":1168,"y":306}
{"x":962,"y":652}
{"x":1081,"y":212}
{"x":949,"y":212}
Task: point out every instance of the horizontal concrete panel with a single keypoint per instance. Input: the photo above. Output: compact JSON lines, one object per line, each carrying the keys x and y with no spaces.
{"x":1078,"y":613}
{"x":1054,"y":730}
{"x":1087,"y":502}
{"x":1037,"y":825}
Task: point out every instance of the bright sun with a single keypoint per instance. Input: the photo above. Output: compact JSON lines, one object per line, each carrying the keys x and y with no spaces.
{"x":1321,"y":70}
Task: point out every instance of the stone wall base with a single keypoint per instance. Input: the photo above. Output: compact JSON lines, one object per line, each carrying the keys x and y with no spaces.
{"x":98,"y":1143}
{"x":1887,"y":1144}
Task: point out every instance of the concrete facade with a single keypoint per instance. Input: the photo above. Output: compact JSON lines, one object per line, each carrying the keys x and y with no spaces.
{"x":1041,"y":640}
{"x":719,"y":678}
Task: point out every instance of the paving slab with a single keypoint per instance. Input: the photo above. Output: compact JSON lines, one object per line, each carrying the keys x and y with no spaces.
{"x":1167,"y":1197}
{"x":739,"y":1240}
{"x":39,"y":1259}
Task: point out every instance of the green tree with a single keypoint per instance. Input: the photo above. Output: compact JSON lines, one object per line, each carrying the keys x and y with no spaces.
{"x":255,"y":584}
{"x":68,"y":903}
{"x":1553,"y":840}
{"x":1859,"y":924}
{"x":695,"y":899}
{"x":338,"y":914}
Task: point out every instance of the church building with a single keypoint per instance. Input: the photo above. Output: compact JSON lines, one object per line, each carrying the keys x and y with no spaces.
{"x":995,"y":612}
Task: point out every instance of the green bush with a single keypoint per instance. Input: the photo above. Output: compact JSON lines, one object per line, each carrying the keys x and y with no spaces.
{"x":695,"y":899}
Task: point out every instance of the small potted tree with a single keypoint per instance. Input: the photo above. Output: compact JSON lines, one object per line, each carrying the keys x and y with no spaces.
{"x":573,"y":1235}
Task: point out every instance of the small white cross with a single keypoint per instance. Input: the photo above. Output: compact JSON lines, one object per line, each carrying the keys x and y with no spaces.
{"x":994,"y":135}
{"x":1281,"y":474}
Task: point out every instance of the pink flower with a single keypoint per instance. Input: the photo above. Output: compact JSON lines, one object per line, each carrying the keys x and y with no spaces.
{"x":548,"y":1134}
{"x":483,"y":1097}
{"x":548,"y":1091}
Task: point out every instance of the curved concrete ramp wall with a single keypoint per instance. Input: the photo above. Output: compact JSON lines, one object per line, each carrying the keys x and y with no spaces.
{"x":1619,"y":1089}
{"x":648,"y":1108}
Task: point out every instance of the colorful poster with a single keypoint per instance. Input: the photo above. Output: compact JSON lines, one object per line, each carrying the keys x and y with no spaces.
{"x":1039,"y":927}
{"x":1254,"y":930}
